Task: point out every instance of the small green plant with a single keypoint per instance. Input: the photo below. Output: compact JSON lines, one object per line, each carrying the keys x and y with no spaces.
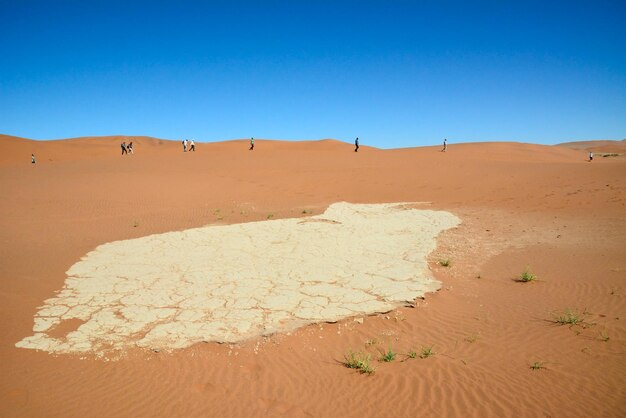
{"x":604,"y":336}
{"x":135,"y":224}
{"x":538,"y":365}
{"x":358,"y":361}
{"x":445,"y":262}
{"x":371,"y":341}
{"x":270,"y":216}
{"x":569,"y":317}
{"x":411,"y":354}
{"x":526,"y":276}
{"x":427,"y":352}
{"x":304,"y":211}
{"x":389,"y":355}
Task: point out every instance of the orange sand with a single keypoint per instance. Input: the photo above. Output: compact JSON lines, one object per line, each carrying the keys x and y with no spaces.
{"x":522,"y":205}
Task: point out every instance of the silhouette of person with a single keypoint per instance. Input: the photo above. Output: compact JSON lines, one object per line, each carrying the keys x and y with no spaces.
{"x":124,"y":151}
{"x":251,"y":144}
{"x":445,"y":145}
{"x":32,"y":159}
{"x":192,"y":146}
{"x":356,"y":144}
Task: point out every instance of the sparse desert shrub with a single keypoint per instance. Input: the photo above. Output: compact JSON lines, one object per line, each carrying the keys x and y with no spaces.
{"x":569,"y":317}
{"x":358,"y":361}
{"x":427,"y":352}
{"x":526,"y":276}
{"x":538,"y":365}
{"x":445,"y":262}
{"x":135,"y":224}
{"x":411,"y":354}
{"x":389,"y":355}
{"x":270,"y":216}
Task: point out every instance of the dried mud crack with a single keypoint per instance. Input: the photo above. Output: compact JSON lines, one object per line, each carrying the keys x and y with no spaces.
{"x":229,"y":283}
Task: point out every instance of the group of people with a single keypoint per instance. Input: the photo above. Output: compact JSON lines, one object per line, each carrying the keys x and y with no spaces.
{"x":127,"y":148}
{"x":189,"y":145}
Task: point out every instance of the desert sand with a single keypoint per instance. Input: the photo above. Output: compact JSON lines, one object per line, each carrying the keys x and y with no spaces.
{"x":520,"y":206}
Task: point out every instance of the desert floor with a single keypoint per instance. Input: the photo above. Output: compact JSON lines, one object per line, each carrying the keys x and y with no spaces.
{"x":545,"y":208}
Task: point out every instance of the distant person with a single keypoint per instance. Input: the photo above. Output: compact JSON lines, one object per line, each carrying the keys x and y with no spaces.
{"x":356,"y":144}
{"x":251,"y":144}
{"x":130,"y":148}
{"x":32,"y":159}
{"x":185,"y":142}
{"x":445,"y":145}
{"x":124,"y":151}
{"x":590,"y":156}
{"x":192,"y":145}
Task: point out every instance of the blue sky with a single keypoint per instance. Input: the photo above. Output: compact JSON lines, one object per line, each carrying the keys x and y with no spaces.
{"x":394,"y":73}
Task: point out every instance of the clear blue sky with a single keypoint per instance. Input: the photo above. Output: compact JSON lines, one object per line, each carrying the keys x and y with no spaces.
{"x":394,"y":73}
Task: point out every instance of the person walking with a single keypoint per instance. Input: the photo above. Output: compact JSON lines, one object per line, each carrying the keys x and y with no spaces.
{"x":445,"y":145}
{"x":124,"y":151}
{"x":590,"y":156}
{"x":251,"y":144}
{"x":192,"y":145}
{"x":130,"y":148}
{"x":185,"y":142}
{"x":32,"y":159}
{"x":356,"y":144}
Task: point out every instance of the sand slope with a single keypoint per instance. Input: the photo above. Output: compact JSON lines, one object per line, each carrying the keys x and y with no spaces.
{"x":521,"y":205}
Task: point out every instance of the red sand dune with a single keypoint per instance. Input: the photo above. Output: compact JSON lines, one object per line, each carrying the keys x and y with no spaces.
{"x":522,"y":205}
{"x":604,"y":146}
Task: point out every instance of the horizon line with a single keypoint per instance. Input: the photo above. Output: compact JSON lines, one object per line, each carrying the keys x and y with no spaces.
{"x":208,"y":141}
